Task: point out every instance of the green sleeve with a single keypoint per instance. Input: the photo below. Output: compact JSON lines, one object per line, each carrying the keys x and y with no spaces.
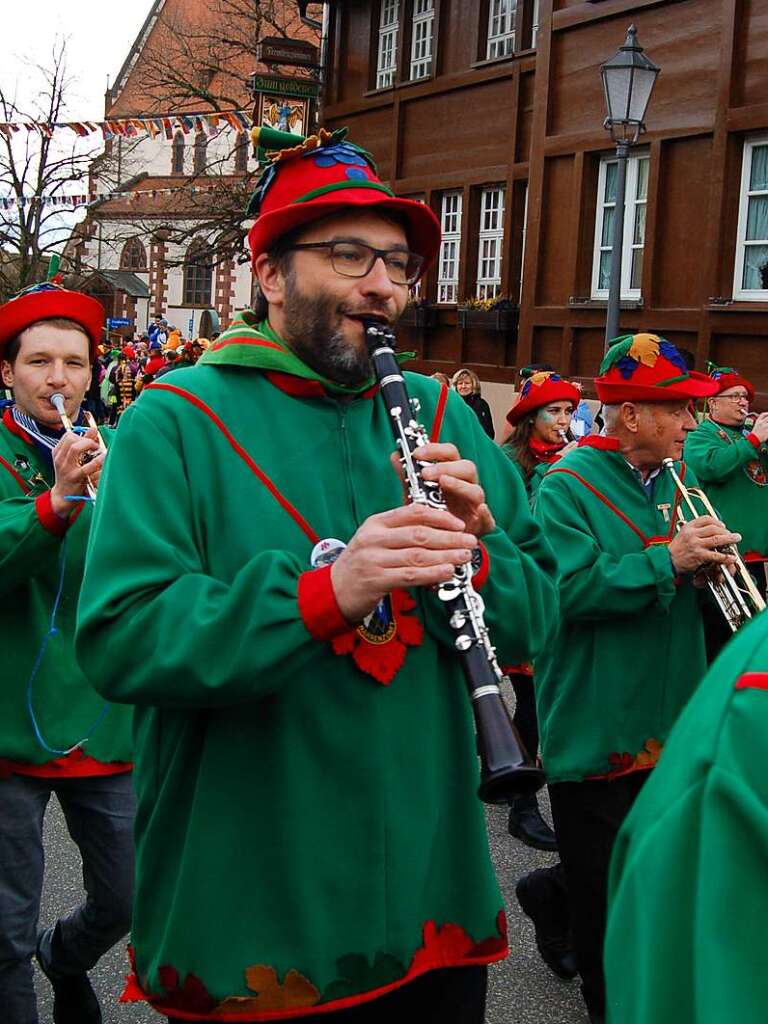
{"x":27,"y":548}
{"x":712,"y":459}
{"x":520,"y":591}
{"x":154,"y":628}
{"x":685,"y":938}
{"x":593,"y":583}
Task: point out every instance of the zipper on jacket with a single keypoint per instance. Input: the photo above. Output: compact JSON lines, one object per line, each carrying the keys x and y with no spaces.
{"x":343,"y":408}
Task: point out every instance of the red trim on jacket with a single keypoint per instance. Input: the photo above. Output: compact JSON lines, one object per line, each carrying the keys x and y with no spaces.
{"x":485,"y":567}
{"x":603,"y":444}
{"x":257,"y":342}
{"x":302,"y":387}
{"x":437,"y":422}
{"x":647,"y":541}
{"x":238,"y":448}
{"x":48,"y":519}
{"x":13,"y":427}
{"x":77,"y":765}
{"x":752,"y":681}
{"x":754,"y":556}
{"x":19,"y":480}
{"x":754,"y":440}
{"x":318,"y":606}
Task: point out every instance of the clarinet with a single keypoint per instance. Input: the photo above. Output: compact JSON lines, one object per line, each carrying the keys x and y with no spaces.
{"x":506,"y":770}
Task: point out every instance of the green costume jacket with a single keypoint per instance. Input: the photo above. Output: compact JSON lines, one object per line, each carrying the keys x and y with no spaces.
{"x":33,"y":543}
{"x":733,"y":471}
{"x":629,"y":649}
{"x":688,"y":892}
{"x":306,"y":836}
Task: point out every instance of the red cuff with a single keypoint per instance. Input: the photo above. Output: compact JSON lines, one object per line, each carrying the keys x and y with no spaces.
{"x":318,"y":606}
{"x":48,"y":518}
{"x":754,"y":440}
{"x":485,"y":567}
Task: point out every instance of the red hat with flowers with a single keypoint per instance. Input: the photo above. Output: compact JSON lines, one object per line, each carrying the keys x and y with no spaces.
{"x":648,"y":368}
{"x":49,"y":301}
{"x":541,"y":389}
{"x":307,"y":179}
{"x":726,"y":378}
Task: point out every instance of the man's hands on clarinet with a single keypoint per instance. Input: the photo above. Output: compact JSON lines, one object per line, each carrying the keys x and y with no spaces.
{"x":72,"y":472}
{"x":696,"y":545}
{"x":414,"y":546}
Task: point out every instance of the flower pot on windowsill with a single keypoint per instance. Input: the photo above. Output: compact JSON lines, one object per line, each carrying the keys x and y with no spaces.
{"x":504,"y":319}
{"x":417,"y":315}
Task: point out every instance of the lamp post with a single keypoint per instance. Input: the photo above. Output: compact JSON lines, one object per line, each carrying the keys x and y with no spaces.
{"x":628,"y":80}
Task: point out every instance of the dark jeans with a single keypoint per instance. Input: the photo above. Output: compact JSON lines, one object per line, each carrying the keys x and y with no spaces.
{"x":587,"y":817}
{"x":525,"y":719}
{"x":99,"y":812}
{"x":454,"y":995}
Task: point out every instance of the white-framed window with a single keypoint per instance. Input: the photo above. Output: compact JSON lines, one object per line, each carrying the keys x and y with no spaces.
{"x":750,"y":279}
{"x":389,"y":22}
{"x":633,"y":242}
{"x":422,"y":31}
{"x":534,"y":22}
{"x":491,"y":242}
{"x":522,"y":243}
{"x":501,"y":28}
{"x":448,"y":265}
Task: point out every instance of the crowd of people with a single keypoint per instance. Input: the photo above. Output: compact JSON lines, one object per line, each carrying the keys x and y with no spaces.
{"x":252,"y":708}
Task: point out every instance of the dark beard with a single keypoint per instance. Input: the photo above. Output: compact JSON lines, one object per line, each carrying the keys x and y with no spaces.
{"x":312,"y":336}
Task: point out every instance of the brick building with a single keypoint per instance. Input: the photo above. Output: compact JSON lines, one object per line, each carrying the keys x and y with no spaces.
{"x":151,"y":250}
{"x":492,"y":113}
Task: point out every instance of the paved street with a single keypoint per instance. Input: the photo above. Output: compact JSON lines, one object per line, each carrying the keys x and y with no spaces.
{"x":523,"y":990}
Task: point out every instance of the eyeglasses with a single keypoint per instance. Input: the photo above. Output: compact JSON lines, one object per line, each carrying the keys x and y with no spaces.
{"x":355,"y":259}
{"x":733,"y":398}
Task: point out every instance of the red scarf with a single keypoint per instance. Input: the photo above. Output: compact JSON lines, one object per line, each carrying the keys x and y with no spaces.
{"x":544,"y":452}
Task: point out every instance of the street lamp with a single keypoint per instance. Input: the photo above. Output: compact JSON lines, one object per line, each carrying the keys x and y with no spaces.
{"x":628,"y":80}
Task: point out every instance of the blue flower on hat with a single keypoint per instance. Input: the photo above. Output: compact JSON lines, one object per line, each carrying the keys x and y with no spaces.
{"x":669,"y":352}
{"x":355,"y":174}
{"x":342,"y":153}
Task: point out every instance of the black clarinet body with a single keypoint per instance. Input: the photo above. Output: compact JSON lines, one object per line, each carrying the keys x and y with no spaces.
{"x":506,"y":770}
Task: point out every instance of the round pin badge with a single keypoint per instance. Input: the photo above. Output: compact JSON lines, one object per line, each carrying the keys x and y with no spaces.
{"x":325,"y":552}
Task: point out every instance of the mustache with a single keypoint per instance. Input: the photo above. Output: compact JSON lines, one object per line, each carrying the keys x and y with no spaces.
{"x":373,"y":309}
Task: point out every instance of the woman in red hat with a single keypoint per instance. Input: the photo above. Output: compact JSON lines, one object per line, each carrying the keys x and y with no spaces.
{"x":541,"y":420}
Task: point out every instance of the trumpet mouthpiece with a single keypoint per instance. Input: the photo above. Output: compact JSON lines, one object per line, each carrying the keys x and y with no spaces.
{"x":57,"y":401}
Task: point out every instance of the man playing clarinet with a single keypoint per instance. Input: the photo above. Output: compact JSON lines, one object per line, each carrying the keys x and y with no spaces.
{"x":57,"y":735}
{"x":309,"y":839}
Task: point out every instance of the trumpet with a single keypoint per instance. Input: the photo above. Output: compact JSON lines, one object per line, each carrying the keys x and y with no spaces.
{"x":57,"y":401}
{"x":736,"y":596}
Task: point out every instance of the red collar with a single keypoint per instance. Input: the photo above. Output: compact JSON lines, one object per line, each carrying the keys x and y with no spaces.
{"x":13,"y":427}
{"x":301,"y":387}
{"x":603,"y":444}
{"x":544,"y":452}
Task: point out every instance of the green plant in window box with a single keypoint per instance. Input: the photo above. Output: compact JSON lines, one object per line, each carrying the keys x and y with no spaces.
{"x":499,"y":313}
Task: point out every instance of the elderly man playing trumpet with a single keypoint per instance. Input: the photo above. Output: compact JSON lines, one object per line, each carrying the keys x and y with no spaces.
{"x":55,"y":733}
{"x":629,"y":650}
{"x":730,"y":460}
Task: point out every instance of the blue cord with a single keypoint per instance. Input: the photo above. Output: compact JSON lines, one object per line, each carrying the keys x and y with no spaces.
{"x":52,"y":632}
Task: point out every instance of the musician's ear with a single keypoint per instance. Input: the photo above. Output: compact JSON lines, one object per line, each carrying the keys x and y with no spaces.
{"x":7,"y":371}
{"x":630,"y":416}
{"x":271,"y":278}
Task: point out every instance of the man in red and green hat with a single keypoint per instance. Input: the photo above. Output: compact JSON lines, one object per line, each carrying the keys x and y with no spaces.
{"x":730,"y":460}
{"x":309,"y":840}
{"x":57,"y":735}
{"x":629,"y":649}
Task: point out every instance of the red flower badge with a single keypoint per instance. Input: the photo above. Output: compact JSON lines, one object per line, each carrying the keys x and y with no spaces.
{"x":378,"y":645}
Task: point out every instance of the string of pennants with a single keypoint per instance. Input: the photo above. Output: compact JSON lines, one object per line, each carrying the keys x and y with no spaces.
{"x":74,"y":201}
{"x":130,"y":127}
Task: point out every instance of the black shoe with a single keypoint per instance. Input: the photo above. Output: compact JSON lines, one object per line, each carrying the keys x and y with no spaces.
{"x":544,"y":901}
{"x":74,"y":1001}
{"x":527,"y":825}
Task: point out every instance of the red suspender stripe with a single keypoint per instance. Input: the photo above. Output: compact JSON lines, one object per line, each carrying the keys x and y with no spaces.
{"x":605,"y":501}
{"x":22,"y":483}
{"x":194,"y":400}
{"x":752,"y":681}
{"x":246,"y":340}
{"x":437,"y":422}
